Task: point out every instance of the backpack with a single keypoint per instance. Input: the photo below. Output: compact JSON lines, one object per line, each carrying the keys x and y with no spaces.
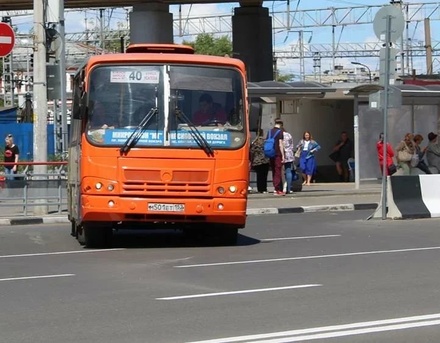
{"x":269,"y":145}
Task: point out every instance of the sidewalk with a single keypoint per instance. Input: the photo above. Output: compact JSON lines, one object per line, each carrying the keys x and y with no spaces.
{"x":317,"y":197}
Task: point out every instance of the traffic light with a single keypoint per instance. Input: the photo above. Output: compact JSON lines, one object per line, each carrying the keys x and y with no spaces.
{"x":31,"y":60}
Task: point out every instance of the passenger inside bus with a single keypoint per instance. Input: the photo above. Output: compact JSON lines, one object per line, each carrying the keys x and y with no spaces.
{"x":99,"y":115}
{"x":99,"y":119}
{"x":209,"y":113}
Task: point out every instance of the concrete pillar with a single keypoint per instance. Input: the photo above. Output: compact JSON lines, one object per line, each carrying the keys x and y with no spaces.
{"x":151,"y":23}
{"x":252,"y":39}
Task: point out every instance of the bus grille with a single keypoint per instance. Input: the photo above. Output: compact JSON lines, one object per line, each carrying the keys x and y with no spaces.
{"x":169,"y":182}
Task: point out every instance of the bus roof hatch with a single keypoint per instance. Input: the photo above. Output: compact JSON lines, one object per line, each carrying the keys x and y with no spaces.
{"x":160,"y":48}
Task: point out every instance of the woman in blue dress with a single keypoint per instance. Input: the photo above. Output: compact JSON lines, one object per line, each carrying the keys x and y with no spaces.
{"x":307,"y":161}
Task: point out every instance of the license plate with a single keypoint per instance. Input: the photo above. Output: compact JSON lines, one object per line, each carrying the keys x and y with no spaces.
{"x":157,"y":207}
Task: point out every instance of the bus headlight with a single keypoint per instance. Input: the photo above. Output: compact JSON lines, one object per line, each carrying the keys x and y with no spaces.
{"x":111,"y":203}
{"x":232,"y":189}
{"x":98,"y":185}
{"x":110,"y":187}
{"x":220,"y":207}
{"x":221,"y":190}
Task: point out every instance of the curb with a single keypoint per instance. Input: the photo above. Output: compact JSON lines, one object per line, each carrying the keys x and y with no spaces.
{"x":310,"y":209}
{"x":249,"y":212}
{"x":34,"y":220}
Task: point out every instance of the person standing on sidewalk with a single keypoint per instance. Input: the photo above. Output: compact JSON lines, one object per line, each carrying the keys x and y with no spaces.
{"x":307,"y":161}
{"x":342,"y":152}
{"x":433,"y":151}
{"x":405,"y":150}
{"x":391,"y":167}
{"x":421,"y":153}
{"x":259,"y":162}
{"x":11,"y":155}
{"x":289,"y":158}
{"x":276,"y":163}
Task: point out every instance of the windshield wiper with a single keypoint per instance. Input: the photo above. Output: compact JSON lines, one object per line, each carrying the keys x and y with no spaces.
{"x":137,"y":133}
{"x":200,"y":140}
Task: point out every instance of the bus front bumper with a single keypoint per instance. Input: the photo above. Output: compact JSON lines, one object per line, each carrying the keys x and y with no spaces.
{"x":116,"y":209}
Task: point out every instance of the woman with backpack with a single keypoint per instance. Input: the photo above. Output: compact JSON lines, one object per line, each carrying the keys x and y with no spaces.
{"x":308,"y":146}
{"x":274,"y":150}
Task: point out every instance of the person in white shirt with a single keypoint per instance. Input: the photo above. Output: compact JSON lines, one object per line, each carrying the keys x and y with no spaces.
{"x":289,"y":158}
{"x":433,"y":151}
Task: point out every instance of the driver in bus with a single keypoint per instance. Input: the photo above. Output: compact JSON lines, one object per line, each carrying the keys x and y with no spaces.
{"x":208,"y":112}
{"x":99,"y":116}
{"x":99,"y":119}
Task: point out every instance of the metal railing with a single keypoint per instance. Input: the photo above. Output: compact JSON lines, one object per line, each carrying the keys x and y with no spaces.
{"x":44,"y":193}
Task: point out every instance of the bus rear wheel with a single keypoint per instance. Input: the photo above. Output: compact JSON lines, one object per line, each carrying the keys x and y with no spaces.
{"x":95,"y":236}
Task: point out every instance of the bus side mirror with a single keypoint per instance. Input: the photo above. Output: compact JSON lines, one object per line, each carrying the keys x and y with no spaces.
{"x":83,"y":108}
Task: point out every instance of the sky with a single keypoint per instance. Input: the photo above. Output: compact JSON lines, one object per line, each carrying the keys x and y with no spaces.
{"x":284,"y":40}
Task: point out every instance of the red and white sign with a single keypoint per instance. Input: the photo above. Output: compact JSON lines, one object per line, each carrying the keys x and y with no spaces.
{"x":7,"y":39}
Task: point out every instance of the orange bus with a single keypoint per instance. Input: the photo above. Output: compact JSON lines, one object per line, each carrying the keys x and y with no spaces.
{"x":159,"y":137}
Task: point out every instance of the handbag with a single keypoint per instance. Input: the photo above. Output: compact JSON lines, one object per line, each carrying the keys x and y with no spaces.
{"x":334,"y":156}
{"x":392,"y":169}
{"x":404,"y":156}
{"x":298,"y":152}
{"x":415,"y":160}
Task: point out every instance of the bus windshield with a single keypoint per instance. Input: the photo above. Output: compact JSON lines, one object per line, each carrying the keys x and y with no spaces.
{"x":192,"y":106}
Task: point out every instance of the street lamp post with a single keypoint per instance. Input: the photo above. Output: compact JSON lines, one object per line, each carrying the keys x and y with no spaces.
{"x":364,"y":65}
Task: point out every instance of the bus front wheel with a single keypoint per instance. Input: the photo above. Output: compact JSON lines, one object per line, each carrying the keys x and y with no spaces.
{"x":95,"y":236}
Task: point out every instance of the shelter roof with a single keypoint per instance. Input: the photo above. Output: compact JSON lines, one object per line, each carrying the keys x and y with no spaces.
{"x":418,"y":91}
{"x":289,"y":90}
{"x":407,"y":90}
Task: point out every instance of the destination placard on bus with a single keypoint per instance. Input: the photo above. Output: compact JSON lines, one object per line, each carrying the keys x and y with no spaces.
{"x":177,"y":138}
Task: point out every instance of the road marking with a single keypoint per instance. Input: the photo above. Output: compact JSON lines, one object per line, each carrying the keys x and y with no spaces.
{"x":334,"y":330}
{"x":377,"y":252}
{"x":238,"y":292}
{"x":61,"y":253}
{"x":36,"y":277}
{"x":294,"y":238}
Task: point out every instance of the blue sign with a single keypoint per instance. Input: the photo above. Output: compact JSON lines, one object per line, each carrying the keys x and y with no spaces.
{"x":214,"y":138}
{"x":120,"y":136}
{"x":177,"y":138}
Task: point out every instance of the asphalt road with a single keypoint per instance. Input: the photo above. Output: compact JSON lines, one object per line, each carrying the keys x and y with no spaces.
{"x":329,"y":277}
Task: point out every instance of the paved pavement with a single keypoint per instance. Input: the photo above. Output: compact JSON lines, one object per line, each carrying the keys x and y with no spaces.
{"x":317,"y":197}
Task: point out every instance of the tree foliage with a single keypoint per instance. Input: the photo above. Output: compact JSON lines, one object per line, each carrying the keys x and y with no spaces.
{"x":207,"y":44}
{"x":284,"y":77}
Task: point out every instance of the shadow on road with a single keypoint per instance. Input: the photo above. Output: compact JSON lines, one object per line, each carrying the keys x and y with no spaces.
{"x":135,"y":239}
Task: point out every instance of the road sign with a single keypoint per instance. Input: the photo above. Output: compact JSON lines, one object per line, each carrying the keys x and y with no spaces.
{"x":7,"y":39}
{"x":380,"y":23}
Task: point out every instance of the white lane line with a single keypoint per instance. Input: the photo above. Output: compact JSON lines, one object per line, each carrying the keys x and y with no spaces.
{"x":61,"y":253}
{"x":376,"y":252}
{"x":36,"y":277}
{"x":294,"y":238}
{"x":350,"y":332}
{"x":238,"y":292}
{"x":339,"y":330}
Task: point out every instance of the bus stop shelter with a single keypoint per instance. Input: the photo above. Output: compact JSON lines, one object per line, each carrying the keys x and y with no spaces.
{"x":412,"y":108}
{"x":275,"y":92}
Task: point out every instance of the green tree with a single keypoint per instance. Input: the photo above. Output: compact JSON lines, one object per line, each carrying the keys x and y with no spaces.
{"x":284,"y":77}
{"x":207,"y":44}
